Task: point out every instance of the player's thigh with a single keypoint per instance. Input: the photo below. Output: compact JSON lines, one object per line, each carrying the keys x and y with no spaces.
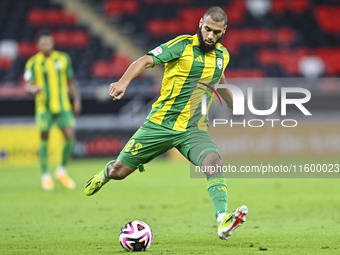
{"x":65,"y":120}
{"x":150,"y":141}
{"x":196,"y":145}
{"x":43,"y":121}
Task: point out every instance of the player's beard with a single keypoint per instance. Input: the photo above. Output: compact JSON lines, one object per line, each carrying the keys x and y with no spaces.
{"x":206,"y":48}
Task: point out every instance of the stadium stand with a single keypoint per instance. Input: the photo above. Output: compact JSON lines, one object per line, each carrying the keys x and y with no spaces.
{"x":265,"y":39}
{"x":23,"y":20}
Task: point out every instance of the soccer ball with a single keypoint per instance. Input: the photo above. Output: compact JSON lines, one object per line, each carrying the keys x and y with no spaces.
{"x":135,"y":235}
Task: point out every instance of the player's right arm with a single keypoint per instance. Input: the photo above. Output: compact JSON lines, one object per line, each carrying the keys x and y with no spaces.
{"x":117,"y":89}
{"x":162,"y":54}
{"x":31,"y":88}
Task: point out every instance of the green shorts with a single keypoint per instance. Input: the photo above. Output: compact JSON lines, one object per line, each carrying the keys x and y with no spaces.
{"x":152,"y":140}
{"x":45,"y":120}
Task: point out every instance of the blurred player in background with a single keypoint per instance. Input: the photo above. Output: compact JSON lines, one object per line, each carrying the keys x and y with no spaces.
{"x":192,"y":65}
{"x":49,"y":77}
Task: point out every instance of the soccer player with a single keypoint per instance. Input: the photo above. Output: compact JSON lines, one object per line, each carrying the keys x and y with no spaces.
{"x":49,"y":77}
{"x":192,"y":64}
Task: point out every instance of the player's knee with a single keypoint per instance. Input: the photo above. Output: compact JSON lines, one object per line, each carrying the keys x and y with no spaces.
{"x":212,"y":159}
{"x":69,"y":133}
{"x":213,"y":162}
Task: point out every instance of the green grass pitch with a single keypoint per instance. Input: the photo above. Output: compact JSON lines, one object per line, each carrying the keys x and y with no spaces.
{"x":286,"y":216}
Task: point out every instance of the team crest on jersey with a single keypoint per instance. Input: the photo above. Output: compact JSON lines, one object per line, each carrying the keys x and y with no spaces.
{"x":157,"y":51}
{"x":57,"y":65}
{"x":219,"y":63}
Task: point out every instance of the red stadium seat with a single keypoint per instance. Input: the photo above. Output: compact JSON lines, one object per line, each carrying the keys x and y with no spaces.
{"x":278,"y":6}
{"x":121,"y":59}
{"x":237,"y":5}
{"x":331,"y":58}
{"x":119,"y":64}
{"x":117,"y":70}
{"x":285,"y":36}
{"x":247,"y":36}
{"x":243,"y":73}
{"x":326,"y":18}
{"x":5,"y":63}
{"x":117,"y":7}
{"x":131,"y":6}
{"x":255,"y":36}
{"x":66,"y":39}
{"x":80,"y":39}
{"x":54,"y":17}
{"x":236,"y":11}
{"x":173,"y":27}
{"x":69,"y":18}
{"x":155,"y":27}
{"x":235,"y":16}
{"x":289,"y":60}
{"x":36,"y":17}
{"x":190,"y":18}
{"x":232,"y":40}
{"x":235,"y":38}
{"x":281,"y":6}
{"x":62,"y":39}
{"x":27,"y":49}
{"x":101,"y":70}
{"x":232,"y":45}
{"x":158,"y":27}
{"x":298,"y":5}
{"x":167,"y":1}
{"x":113,"y":69}
{"x":267,"y":57}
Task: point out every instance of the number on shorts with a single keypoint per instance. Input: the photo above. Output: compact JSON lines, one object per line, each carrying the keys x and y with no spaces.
{"x":129,"y":145}
{"x":137,"y":147}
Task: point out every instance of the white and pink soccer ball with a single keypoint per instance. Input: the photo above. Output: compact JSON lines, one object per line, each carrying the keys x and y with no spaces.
{"x":135,"y":235}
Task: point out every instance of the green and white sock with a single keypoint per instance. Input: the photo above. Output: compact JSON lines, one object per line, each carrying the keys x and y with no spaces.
{"x":43,"y":156}
{"x":105,"y":176}
{"x":217,"y":189}
{"x":67,"y":152}
{"x":46,"y":176}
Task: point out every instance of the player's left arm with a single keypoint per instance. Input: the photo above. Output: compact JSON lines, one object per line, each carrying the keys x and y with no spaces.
{"x":74,"y":91}
{"x":225,"y":93}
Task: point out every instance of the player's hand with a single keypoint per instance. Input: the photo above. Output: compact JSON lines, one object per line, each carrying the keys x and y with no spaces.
{"x":33,"y":89}
{"x":77,"y":107}
{"x":117,"y":90}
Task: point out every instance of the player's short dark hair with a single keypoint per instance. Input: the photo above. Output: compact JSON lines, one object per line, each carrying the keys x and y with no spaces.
{"x":216,"y":13}
{"x":44,"y":33}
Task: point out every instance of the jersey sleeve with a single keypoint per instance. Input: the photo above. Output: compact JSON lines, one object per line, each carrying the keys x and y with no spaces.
{"x":169,"y":51}
{"x":69,"y":68}
{"x":29,"y":74}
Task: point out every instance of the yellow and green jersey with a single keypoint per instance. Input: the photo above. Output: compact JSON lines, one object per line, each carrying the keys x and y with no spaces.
{"x":51,"y":74}
{"x":187,"y":73}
